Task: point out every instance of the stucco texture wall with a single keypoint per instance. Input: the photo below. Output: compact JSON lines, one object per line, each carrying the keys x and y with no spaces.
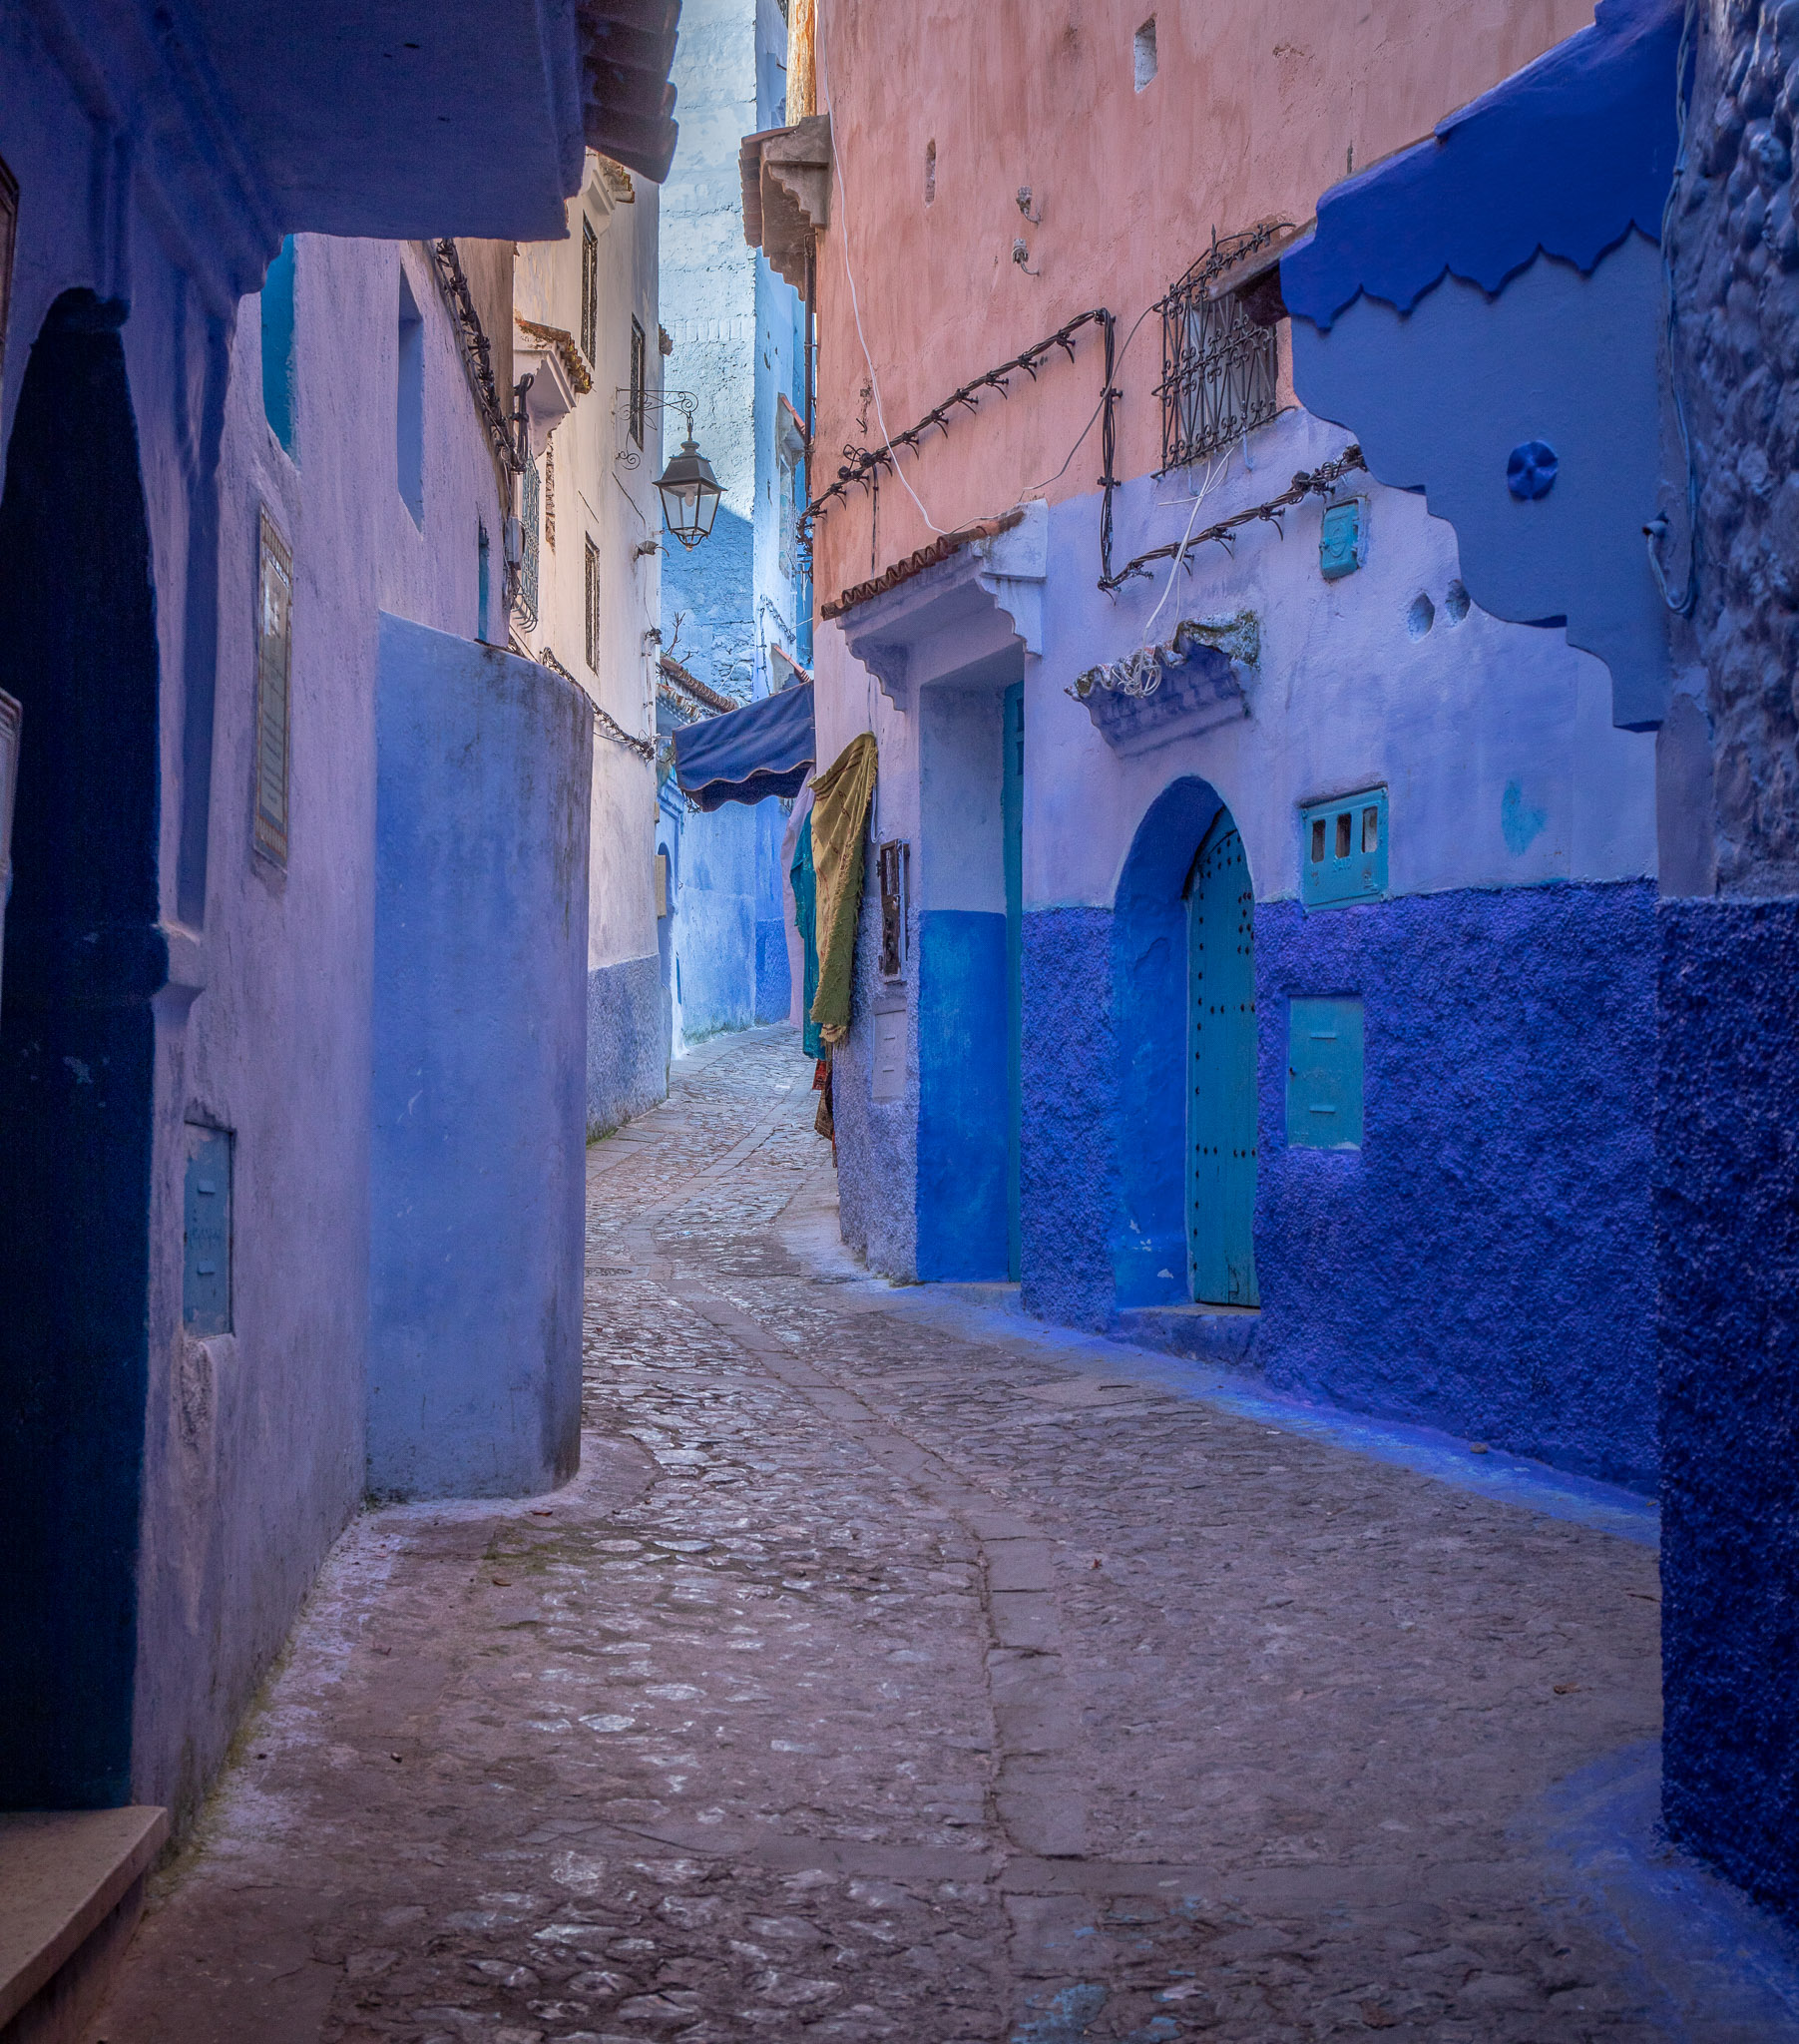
{"x":1727,"y":1227}
{"x":1483,"y":1262}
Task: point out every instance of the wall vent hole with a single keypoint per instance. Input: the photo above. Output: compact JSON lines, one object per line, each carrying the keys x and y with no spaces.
{"x":1142,"y":51}
{"x":1456,"y":603}
{"x":1421,"y":617}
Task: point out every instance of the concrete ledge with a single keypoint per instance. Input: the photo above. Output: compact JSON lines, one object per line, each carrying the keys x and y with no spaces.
{"x":63,"y":1874}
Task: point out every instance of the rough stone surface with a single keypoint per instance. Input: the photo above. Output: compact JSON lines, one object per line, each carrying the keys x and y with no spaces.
{"x":1735,"y":249}
{"x":627,"y":1051}
{"x":877,"y":1680}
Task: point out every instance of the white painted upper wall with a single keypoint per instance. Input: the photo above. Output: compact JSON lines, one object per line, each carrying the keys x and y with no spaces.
{"x":603,"y":490}
{"x":1494,"y":740}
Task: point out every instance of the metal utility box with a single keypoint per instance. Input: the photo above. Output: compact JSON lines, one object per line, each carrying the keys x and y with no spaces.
{"x":1324,"y":1074}
{"x":1343,"y":850}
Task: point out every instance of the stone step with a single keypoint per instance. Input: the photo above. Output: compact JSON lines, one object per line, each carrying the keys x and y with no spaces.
{"x":1206,"y":1333}
{"x":71,"y":1889}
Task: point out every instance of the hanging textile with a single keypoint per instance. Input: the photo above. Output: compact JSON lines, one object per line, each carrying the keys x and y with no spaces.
{"x":805,"y":914}
{"x":840,"y":802}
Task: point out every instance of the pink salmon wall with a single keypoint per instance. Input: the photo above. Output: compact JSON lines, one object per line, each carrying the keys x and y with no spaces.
{"x":1255,"y":108}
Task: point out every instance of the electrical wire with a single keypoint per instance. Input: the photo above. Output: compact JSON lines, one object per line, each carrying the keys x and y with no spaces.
{"x":821,"y":77}
{"x":1212,"y":477}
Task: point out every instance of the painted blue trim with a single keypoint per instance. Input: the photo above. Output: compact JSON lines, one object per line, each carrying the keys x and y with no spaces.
{"x":1566,"y":157}
{"x":962,"y":1095}
{"x":1012,"y":815}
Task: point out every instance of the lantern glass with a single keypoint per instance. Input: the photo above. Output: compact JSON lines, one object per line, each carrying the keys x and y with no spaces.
{"x":689,"y":493}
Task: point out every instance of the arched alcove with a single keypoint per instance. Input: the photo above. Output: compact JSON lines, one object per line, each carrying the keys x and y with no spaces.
{"x":84,"y":957}
{"x":1149,"y":1003}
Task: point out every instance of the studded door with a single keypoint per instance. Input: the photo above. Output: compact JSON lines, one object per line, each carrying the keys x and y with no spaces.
{"x":1221,"y":1072}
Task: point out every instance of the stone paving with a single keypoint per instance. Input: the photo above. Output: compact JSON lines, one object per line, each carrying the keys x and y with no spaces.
{"x":876,"y":1682}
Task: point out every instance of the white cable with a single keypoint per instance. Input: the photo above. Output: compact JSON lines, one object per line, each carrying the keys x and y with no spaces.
{"x":1212,"y":476}
{"x":821,"y":77}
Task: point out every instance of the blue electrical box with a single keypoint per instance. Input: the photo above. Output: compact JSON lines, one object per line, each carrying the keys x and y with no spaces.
{"x":1342,"y":539}
{"x":207,"y":1232}
{"x":1324,"y":1074}
{"x":1343,"y":850}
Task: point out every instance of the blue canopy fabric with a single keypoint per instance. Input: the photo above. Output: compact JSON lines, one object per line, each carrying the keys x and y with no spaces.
{"x":1566,"y":155}
{"x":768,"y":747}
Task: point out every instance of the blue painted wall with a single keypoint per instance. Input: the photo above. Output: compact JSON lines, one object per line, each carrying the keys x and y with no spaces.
{"x":1069,"y":1164}
{"x":478,"y":1165}
{"x":963,"y":1095}
{"x":1727,"y":1231}
{"x":1485,"y":1261}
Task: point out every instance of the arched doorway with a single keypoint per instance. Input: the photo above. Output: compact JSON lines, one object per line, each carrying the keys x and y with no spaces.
{"x":85,"y":955}
{"x":1221,"y":1091}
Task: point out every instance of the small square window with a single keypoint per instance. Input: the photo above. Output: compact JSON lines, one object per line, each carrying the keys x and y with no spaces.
{"x":592,"y":581}
{"x":590,"y":290}
{"x":639,"y":381}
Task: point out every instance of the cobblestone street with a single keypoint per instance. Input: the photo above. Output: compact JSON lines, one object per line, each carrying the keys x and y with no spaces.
{"x":884,"y":1675}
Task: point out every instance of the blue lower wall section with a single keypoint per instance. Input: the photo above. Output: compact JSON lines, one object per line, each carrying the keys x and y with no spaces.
{"x":627,"y":1046}
{"x":1484,"y":1263}
{"x":1727,"y":1243}
{"x":963,"y":1107}
{"x":477,"y":1166}
{"x":1068,"y":1161}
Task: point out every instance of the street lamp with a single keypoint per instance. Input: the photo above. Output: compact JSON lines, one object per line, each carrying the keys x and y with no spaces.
{"x":690,"y":492}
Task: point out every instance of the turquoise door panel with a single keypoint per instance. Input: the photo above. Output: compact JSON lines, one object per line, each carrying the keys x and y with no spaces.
{"x":1221,"y":1133}
{"x":1343,"y":850}
{"x":1012,"y":806}
{"x":1324,"y":1075}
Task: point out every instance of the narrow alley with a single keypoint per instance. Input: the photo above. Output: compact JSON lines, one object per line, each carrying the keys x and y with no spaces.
{"x":887,"y":1675}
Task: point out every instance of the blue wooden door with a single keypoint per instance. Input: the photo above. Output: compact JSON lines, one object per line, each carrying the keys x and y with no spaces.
{"x":1220,"y":1181}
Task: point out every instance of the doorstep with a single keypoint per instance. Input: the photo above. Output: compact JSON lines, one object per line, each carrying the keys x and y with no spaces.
{"x":71,"y":1889}
{"x":1204,"y":1334}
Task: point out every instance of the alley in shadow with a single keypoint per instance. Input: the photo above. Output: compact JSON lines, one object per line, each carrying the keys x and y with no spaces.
{"x":884,"y":1678}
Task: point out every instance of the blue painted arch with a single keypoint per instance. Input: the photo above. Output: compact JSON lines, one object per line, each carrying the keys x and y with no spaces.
{"x":1149,"y":999}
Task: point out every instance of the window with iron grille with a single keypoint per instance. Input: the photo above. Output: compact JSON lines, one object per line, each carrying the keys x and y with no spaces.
{"x":593,"y":606}
{"x":549,"y":497}
{"x":637,"y":380}
{"x":1218,"y":367}
{"x":590,"y":290}
{"x":275,"y":667}
{"x":533,"y":495}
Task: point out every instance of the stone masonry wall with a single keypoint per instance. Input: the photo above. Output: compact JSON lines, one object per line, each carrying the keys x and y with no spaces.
{"x":1735,"y":251}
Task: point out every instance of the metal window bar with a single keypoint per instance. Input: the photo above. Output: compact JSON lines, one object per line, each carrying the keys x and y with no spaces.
{"x":592,"y":578}
{"x":1218,"y":368}
{"x":639,"y":381}
{"x":589,"y":292}
{"x":533,"y":493}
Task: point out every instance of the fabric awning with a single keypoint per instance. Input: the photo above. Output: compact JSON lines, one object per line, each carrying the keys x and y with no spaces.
{"x":765,"y":748}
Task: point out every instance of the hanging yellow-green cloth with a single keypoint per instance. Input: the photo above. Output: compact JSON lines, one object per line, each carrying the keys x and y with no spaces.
{"x":839,"y":819}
